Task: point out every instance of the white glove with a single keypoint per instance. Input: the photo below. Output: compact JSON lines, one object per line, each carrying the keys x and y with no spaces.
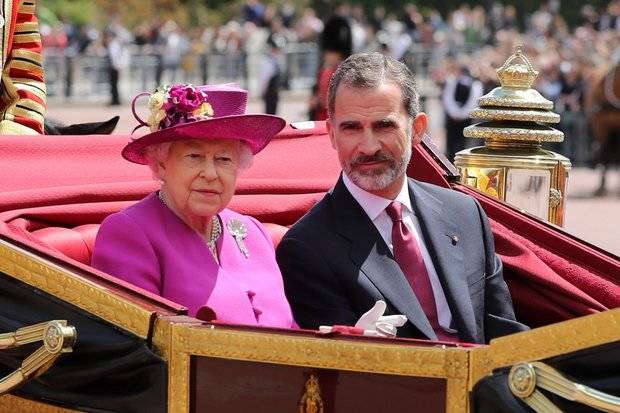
{"x":375,"y":323}
{"x":372,"y":323}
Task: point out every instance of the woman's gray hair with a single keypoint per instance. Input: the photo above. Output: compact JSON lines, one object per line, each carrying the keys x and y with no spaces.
{"x":159,"y":152}
{"x":369,"y":70}
{"x":156,"y":154}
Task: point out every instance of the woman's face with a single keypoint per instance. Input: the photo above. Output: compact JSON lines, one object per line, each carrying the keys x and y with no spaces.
{"x":199,"y":178}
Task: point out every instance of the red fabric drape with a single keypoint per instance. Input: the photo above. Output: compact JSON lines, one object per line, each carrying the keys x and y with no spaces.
{"x":71,"y":181}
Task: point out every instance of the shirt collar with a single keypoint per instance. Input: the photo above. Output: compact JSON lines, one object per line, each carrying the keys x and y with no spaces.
{"x":372,"y":204}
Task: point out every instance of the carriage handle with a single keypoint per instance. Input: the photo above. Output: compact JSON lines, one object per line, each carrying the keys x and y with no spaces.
{"x":524,"y":378}
{"x":57,"y":337}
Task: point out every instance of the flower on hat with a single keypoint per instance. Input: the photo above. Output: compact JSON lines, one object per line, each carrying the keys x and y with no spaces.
{"x":175,"y":104}
{"x":205,"y":110}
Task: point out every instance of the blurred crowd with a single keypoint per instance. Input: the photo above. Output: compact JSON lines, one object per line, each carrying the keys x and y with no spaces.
{"x":553,"y":45}
{"x":465,"y":46}
{"x":571,"y":60}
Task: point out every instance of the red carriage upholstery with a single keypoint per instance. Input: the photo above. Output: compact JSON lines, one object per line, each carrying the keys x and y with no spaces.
{"x":76,"y":243}
{"x":67,"y":185}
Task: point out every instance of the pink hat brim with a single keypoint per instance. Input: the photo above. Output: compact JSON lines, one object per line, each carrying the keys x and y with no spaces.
{"x":256,"y":130}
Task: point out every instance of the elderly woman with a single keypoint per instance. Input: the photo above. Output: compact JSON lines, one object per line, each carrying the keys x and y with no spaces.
{"x":181,"y":242}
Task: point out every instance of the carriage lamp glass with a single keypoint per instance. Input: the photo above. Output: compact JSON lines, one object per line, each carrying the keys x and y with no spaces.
{"x":512,"y":166}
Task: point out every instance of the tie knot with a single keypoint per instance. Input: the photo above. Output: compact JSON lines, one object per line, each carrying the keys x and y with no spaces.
{"x":395,"y":211}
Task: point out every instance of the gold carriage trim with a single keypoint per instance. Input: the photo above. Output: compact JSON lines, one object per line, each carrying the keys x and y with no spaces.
{"x":517,"y":75}
{"x":57,"y":337}
{"x":514,"y":122}
{"x":521,"y":116}
{"x":528,"y":99}
{"x":73,"y":288}
{"x":178,"y":339}
{"x":513,"y":134}
{"x":524,"y":380}
{"x":14,"y":404}
{"x":311,"y":401}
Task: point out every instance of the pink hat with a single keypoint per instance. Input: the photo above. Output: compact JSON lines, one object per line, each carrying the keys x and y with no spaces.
{"x":180,"y":112}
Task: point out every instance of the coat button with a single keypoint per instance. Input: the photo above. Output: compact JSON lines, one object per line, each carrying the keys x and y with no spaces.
{"x":257,"y":312}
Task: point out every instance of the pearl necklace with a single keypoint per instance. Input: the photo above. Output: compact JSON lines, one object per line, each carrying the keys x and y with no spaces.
{"x":214,"y":234}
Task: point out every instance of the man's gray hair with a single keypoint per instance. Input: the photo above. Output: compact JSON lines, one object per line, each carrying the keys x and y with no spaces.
{"x":370,"y":70}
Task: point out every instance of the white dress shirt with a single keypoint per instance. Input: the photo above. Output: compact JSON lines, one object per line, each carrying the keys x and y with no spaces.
{"x":374,"y":206}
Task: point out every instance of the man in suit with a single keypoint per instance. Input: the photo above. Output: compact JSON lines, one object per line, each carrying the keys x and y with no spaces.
{"x":426,"y":251}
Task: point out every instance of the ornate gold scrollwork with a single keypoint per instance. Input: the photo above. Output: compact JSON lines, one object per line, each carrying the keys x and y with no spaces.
{"x":555,"y":197}
{"x":311,"y":401}
{"x":57,"y":338}
{"x":525,"y":377}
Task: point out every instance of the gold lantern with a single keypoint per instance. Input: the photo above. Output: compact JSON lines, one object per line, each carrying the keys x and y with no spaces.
{"x":512,"y":165}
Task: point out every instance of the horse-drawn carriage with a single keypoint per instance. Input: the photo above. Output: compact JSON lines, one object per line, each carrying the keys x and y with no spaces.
{"x":138,"y":352}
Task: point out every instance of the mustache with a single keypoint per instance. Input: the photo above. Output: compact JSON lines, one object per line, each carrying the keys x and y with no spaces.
{"x":377,"y":157}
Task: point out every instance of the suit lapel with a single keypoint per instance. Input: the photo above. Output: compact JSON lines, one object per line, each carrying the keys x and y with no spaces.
{"x":374,"y":259}
{"x":442,"y":239}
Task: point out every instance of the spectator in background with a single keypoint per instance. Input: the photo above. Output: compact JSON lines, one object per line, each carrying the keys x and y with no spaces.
{"x":336,"y":45}
{"x":55,"y":37}
{"x":78,"y":40}
{"x":309,"y":27}
{"x":118,"y":59}
{"x":287,"y":14}
{"x":411,"y":19}
{"x":271,"y":72}
{"x":192,"y":63}
{"x":550,"y":84}
{"x":398,"y":38}
{"x":610,"y":19}
{"x":253,"y":11}
{"x":377,"y":20}
{"x":459,"y":97}
{"x":571,"y":92}
{"x":142,"y":35}
{"x":174,"y":45}
{"x":357,"y":22}
{"x":570,"y":105}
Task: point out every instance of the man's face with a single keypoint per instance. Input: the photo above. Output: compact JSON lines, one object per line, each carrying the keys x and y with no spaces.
{"x":372,"y":133}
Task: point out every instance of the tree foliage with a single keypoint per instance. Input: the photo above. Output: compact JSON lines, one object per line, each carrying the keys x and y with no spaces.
{"x":187,"y":13}
{"x":192,"y":13}
{"x":77,"y":11}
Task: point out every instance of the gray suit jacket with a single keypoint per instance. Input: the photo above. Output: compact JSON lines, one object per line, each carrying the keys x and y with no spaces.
{"x":336,"y":265}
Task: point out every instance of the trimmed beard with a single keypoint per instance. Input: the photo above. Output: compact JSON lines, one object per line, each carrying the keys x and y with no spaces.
{"x":380,"y":178}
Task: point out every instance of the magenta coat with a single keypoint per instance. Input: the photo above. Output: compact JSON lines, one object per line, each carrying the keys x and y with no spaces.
{"x":151,"y":247}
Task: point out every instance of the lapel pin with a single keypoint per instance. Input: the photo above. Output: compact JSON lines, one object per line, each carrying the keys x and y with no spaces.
{"x":454,"y":238}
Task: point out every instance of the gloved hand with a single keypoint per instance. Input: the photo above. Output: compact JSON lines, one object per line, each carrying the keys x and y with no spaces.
{"x":372,"y":323}
{"x":375,"y":323}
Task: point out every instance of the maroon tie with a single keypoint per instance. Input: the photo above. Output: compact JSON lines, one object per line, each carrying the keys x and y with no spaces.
{"x":409,"y":257}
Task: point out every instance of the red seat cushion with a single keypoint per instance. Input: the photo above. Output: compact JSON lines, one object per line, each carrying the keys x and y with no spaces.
{"x":276,"y":231}
{"x":76,"y":243}
{"x":89,"y":234}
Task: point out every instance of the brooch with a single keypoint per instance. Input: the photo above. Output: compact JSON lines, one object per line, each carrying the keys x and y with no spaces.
{"x":238,"y":230}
